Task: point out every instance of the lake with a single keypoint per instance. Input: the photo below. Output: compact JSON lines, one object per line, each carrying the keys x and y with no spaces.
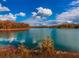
{"x":64,"y":39}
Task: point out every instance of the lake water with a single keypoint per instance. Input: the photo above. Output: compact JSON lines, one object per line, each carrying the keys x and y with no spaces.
{"x":65,"y":39}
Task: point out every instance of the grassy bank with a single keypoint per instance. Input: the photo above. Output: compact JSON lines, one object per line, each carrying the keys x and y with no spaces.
{"x":46,"y":49}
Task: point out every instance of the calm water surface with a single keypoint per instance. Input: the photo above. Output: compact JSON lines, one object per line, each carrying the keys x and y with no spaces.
{"x":65,"y":39}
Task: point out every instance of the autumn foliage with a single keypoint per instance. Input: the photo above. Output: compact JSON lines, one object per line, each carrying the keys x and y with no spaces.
{"x":68,"y":26}
{"x":45,"y":50}
{"x":11,"y":25}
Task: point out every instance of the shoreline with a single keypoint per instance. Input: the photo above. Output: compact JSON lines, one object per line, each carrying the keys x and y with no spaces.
{"x":22,"y":29}
{"x":35,"y":53}
{"x":16,"y":29}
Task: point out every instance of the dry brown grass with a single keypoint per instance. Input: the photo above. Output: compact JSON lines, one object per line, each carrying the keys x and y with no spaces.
{"x":46,"y":50}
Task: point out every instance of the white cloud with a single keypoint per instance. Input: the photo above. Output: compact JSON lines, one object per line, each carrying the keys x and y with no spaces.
{"x":65,"y":17}
{"x":31,"y":22}
{"x":21,"y":14}
{"x":34,"y":13}
{"x":42,"y":12}
{"x":3,"y":8}
{"x":76,"y":2}
{"x":38,"y":18}
{"x":71,"y":14}
{"x":9,"y":16}
{"x":43,"y":23}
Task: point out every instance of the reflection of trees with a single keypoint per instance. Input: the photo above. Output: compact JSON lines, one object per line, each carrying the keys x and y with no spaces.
{"x":14,"y":38}
{"x":7,"y":36}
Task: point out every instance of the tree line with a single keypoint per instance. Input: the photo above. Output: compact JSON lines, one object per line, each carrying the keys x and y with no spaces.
{"x":10,"y":25}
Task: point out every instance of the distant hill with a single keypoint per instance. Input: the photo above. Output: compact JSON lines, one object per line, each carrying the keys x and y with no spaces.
{"x":15,"y":25}
{"x":71,"y":25}
{"x":58,"y":26}
{"x":11,"y":25}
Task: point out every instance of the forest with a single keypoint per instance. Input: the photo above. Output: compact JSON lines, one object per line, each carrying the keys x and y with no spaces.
{"x":12,"y":25}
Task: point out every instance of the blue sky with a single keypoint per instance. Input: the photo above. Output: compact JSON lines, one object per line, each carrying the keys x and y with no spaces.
{"x":22,"y":9}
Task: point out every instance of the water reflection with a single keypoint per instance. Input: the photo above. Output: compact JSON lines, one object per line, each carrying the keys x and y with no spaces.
{"x":31,"y":38}
{"x":67,"y":39}
{"x":13,"y":38}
